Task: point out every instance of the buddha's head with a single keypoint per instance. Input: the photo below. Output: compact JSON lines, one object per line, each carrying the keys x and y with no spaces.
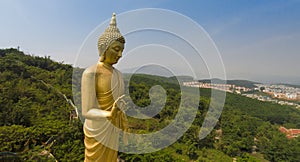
{"x":111,"y":43}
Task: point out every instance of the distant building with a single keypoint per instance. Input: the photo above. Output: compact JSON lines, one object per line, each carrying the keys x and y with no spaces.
{"x":292,"y":96}
{"x":222,"y":87}
{"x":290,"y":133}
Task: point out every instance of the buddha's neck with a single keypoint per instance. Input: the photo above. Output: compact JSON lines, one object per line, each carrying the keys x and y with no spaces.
{"x":106,"y":65}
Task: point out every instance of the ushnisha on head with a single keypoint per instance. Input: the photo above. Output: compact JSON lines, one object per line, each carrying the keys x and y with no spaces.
{"x":111,"y":37}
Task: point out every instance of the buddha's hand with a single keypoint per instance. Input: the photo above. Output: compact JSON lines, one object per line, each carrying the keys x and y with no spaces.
{"x":118,"y":106}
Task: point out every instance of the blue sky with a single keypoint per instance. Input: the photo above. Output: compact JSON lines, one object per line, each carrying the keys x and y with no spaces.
{"x":257,"y":39}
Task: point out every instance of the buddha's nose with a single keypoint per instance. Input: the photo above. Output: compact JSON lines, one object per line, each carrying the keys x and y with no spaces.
{"x":120,"y":54}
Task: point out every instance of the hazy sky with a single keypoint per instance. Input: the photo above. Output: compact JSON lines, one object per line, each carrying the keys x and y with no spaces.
{"x":257,"y":39}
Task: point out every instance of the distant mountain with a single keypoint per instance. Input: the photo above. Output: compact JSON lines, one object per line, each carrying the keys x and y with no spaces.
{"x":290,"y":85}
{"x":164,"y":72}
{"x":157,"y":70}
{"x":151,"y":74}
{"x":183,"y":78}
{"x":151,"y":78}
{"x":149,"y":69}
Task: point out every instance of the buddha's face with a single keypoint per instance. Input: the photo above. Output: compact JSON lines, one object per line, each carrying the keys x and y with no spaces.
{"x":113,"y":53}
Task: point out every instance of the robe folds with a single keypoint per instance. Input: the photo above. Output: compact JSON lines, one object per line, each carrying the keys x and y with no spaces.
{"x":100,"y":87}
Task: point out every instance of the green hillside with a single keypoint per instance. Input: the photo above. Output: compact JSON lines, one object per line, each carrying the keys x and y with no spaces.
{"x":36,"y":118}
{"x":33,"y":109}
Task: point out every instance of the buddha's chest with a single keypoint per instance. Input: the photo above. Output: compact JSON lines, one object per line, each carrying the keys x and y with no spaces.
{"x":104,"y":82}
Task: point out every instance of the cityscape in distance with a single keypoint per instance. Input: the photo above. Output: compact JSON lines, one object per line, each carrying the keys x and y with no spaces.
{"x":276,"y":93}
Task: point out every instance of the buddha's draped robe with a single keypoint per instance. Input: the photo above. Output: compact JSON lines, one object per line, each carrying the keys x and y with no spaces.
{"x":101,"y":86}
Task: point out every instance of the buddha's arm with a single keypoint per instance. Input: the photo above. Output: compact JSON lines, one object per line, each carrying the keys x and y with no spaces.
{"x":95,"y":114}
{"x":89,"y":102}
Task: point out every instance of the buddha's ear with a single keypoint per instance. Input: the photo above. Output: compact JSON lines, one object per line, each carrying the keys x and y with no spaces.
{"x":102,"y":57}
{"x":101,"y":49}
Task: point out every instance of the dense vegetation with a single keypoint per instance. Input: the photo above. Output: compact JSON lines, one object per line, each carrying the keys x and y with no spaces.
{"x":33,"y":110}
{"x":36,"y":118}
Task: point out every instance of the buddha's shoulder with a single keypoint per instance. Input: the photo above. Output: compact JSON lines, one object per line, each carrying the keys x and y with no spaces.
{"x":90,"y":70}
{"x":117,"y":71}
{"x":98,"y":70}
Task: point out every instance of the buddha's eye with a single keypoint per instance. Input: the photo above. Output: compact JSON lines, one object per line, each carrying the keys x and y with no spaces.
{"x":117,"y":49}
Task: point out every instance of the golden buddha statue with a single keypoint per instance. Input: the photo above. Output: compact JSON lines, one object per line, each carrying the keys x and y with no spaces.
{"x":102,"y":88}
